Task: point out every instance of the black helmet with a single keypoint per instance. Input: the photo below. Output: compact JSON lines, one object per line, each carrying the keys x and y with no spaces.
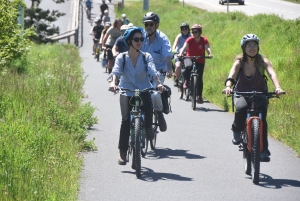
{"x":184,"y":25}
{"x":151,"y":17}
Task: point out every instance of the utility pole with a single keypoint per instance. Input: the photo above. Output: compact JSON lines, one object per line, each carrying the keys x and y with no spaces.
{"x":145,"y":4}
{"x":21,"y":16}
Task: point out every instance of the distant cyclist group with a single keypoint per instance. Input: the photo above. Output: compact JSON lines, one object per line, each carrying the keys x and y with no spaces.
{"x":141,"y":58}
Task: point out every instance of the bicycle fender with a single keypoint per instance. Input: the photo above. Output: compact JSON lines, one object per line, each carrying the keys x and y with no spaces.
{"x":249,"y":132}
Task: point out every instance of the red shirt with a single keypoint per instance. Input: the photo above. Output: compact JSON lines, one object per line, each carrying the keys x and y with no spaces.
{"x":196,"y":48}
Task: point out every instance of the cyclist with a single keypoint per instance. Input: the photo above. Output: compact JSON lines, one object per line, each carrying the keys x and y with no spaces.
{"x":88,"y":6}
{"x":107,"y":25}
{"x":125,"y":19}
{"x":97,"y":31}
{"x":135,"y":74}
{"x":248,"y":73}
{"x":105,"y":17}
{"x":158,"y":45}
{"x":196,"y":45}
{"x":119,"y":45}
{"x":103,"y":7}
{"x":178,"y":44}
{"x":109,"y":40}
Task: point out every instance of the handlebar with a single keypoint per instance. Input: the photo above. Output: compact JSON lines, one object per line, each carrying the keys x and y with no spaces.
{"x":256,"y":93}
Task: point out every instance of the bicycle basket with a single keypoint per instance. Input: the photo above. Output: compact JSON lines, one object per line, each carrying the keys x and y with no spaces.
{"x":187,"y":62}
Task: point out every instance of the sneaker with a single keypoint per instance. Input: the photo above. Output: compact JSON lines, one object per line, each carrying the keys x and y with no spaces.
{"x":265,"y":156}
{"x":236,"y":138}
{"x":149,"y":133}
{"x":200,"y":100}
{"x":186,"y":84}
{"x":161,"y":122}
{"x":93,"y":53}
{"x":176,"y":82}
{"x":122,"y":157}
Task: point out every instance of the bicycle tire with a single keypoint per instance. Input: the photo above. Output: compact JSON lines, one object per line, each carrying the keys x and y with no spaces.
{"x":255,"y":154}
{"x":137,"y":146}
{"x":154,"y":127}
{"x":246,"y":154}
{"x":194,"y":91}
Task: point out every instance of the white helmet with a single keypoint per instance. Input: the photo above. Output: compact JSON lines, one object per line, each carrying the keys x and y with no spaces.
{"x":124,"y":15}
{"x":124,"y":27}
{"x":249,"y":37}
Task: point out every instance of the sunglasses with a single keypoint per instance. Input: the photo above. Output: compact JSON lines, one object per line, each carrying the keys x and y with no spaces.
{"x":194,"y":32}
{"x":149,"y":24}
{"x":138,"y":39}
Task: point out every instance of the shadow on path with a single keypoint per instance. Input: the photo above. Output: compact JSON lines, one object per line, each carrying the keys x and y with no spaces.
{"x":172,"y":154}
{"x":268,"y":182}
{"x":150,"y":176}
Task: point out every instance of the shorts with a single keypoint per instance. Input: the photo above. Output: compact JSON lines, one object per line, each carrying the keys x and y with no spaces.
{"x":109,"y":54}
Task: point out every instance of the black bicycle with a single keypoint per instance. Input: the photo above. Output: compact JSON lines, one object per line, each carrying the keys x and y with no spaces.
{"x":252,"y":136}
{"x":190,"y":61}
{"x":138,"y":143}
{"x":183,"y":93}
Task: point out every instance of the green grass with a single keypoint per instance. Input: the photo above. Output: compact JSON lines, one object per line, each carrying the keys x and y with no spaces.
{"x":279,"y":42}
{"x":43,"y":125}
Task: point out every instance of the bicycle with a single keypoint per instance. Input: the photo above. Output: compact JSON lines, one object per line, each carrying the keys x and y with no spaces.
{"x":138,"y":143}
{"x":97,"y":52}
{"x":252,"y":136}
{"x":190,"y":61}
{"x":88,"y":12}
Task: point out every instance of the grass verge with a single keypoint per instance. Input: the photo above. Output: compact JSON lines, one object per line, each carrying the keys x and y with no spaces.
{"x":43,"y":125}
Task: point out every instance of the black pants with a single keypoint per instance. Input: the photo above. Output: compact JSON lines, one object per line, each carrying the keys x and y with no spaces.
{"x":125,"y":112}
{"x":242,"y":104}
{"x":200,"y":71}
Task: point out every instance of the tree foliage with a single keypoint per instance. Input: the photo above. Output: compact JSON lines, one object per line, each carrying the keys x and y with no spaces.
{"x":14,"y":42}
{"x":41,"y":21}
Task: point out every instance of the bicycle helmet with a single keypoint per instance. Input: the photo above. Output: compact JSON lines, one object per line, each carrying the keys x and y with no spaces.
{"x":124,"y":15}
{"x":185,"y":25}
{"x":151,"y":17}
{"x":249,"y":37}
{"x":197,"y":26}
{"x":129,"y":34}
{"x":124,"y":27}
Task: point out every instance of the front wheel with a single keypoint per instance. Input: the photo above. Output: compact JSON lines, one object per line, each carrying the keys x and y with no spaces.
{"x":255,"y":154}
{"x":137,"y":146}
{"x":194,"y":91}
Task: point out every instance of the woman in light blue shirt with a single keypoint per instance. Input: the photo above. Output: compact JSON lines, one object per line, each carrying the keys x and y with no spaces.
{"x":137,"y":70}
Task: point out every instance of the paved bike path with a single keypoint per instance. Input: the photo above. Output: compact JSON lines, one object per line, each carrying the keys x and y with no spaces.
{"x":194,"y":159}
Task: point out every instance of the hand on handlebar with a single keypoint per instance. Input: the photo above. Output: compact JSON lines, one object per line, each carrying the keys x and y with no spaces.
{"x":227,"y":91}
{"x":113,"y":87}
{"x":160,"y":88}
{"x":279,"y":91}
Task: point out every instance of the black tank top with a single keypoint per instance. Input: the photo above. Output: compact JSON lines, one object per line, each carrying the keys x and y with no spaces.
{"x":247,"y":84}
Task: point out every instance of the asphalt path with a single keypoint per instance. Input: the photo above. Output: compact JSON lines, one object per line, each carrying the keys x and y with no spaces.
{"x":194,"y":159}
{"x":284,"y":9}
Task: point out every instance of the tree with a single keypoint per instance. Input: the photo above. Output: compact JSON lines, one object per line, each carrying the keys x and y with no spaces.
{"x":14,"y":42}
{"x":41,"y":21}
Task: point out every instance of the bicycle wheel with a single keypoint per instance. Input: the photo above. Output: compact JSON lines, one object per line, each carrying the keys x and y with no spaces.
{"x":246,"y":154}
{"x":154,"y":127}
{"x":194,"y":91}
{"x":255,"y":154}
{"x":137,"y":146}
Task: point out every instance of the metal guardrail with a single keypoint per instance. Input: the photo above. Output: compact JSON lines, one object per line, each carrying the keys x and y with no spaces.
{"x":75,"y":25}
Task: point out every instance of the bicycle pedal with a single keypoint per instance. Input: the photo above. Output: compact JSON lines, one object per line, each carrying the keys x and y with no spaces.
{"x":241,"y":148}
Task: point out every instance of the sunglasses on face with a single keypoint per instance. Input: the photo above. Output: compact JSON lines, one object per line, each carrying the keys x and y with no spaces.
{"x":149,"y":24}
{"x":136,"y":39}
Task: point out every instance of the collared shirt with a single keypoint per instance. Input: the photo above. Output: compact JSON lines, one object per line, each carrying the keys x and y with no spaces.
{"x":134,"y":77}
{"x":159,"y":49}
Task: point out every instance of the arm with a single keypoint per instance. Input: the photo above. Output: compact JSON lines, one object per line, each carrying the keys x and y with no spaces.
{"x":169,"y":66}
{"x":207,"y":48}
{"x":232,"y":77}
{"x":105,"y":38}
{"x":183,"y":49}
{"x":272,"y":75}
{"x":175,"y":44}
{"x":115,"y":50}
